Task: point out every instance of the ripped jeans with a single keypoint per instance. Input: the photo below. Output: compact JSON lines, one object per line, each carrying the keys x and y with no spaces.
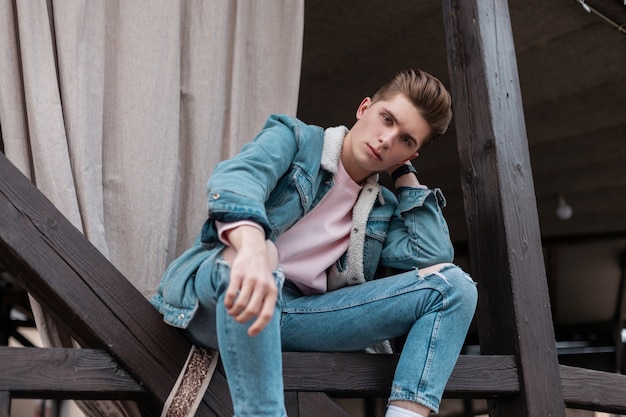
{"x":434,"y":311}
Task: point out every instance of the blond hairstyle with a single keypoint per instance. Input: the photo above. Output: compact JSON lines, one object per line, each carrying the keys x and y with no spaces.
{"x":427,"y":94}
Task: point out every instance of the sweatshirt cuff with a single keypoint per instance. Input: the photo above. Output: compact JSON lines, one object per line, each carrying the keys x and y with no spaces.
{"x":222,"y":228}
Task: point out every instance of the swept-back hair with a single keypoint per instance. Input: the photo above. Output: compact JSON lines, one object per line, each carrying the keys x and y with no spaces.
{"x":427,"y":94}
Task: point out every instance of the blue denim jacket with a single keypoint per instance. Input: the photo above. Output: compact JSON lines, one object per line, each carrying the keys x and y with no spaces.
{"x":278,"y":178}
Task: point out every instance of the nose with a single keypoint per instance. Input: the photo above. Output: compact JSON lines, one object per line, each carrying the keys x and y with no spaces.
{"x":386,"y":138}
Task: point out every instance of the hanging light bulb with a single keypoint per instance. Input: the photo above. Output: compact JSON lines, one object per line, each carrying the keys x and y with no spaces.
{"x":563,"y":210}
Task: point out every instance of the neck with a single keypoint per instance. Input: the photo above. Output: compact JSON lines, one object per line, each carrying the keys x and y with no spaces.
{"x":349,"y":163}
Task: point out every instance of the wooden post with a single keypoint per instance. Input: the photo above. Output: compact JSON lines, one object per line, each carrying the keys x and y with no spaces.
{"x":514,"y":314}
{"x":5,"y":404}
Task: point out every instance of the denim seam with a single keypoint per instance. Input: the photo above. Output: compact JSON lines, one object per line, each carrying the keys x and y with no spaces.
{"x":399,"y":394}
{"x":366,"y":301}
{"x":419,"y":285}
{"x":233,"y":353}
{"x":434,"y":342}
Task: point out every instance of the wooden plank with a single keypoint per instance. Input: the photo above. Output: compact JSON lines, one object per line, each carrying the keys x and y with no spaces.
{"x":291,"y":404}
{"x":5,"y":404}
{"x":362,"y":374}
{"x":65,"y":373}
{"x":366,"y":375}
{"x":218,"y":396}
{"x":504,"y":239}
{"x":93,"y":374}
{"x":316,"y":404}
{"x":62,"y":270}
{"x":594,"y":390}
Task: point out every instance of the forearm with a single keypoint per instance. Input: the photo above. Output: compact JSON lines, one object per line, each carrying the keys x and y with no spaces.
{"x":251,"y":291}
{"x":405,"y":176}
{"x":246,"y":239}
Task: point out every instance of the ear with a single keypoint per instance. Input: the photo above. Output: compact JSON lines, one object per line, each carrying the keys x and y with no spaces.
{"x":365,"y":104}
{"x":415,"y":155}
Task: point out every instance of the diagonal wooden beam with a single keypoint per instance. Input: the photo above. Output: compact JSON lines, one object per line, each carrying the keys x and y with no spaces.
{"x":64,"y":272}
{"x":513,"y":313}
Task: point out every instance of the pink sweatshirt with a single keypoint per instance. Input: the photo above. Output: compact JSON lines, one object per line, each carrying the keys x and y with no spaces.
{"x":314,"y":243}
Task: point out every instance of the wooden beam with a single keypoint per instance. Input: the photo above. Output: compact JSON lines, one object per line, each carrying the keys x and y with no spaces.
{"x":291,"y":404}
{"x":89,"y":374}
{"x":64,"y":272}
{"x":5,"y":404}
{"x":362,"y":374}
{"x":81,"y":374}
{"x":315,"y":404}
{"x":365,"y":375}
{"x":594,"y":390}
{"x":504,"y":239}
{"x":93,"y":374}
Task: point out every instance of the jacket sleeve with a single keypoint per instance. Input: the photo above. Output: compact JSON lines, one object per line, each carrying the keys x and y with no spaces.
{"x":239,"y":187}
{"x":418,"y":234}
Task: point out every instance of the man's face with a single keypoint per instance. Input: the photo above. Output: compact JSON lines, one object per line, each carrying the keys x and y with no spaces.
{"x":386,"y":134}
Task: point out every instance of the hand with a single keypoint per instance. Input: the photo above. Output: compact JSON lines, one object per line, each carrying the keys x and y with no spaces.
{"x":252,"y":289}
{"x":393,"y":168}
{"x":405,"y":180}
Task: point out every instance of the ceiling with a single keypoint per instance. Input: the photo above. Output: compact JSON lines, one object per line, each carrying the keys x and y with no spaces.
{"x":572,"y":68}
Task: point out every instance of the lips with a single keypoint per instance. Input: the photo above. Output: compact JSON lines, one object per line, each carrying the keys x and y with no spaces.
{"x":375,"y":153}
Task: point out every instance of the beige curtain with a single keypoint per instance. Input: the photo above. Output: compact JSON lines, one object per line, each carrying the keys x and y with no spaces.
{"x":119,"y":110}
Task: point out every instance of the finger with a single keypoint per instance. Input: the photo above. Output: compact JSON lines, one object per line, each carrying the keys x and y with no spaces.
{"x":253,"y":303}
{"x":233,"y":289}
{"x":265,"y":315}
{"x":242,"y":302}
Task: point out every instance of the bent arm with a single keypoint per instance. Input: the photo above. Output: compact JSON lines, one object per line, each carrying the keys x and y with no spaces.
{"x":252,"y":290}
{"x":418,"y":234}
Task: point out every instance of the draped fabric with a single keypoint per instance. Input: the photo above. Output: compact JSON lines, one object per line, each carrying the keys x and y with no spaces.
{"x":118,"y":111}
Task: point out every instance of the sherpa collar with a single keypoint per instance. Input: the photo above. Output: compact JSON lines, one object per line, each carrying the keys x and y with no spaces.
{"x":353,"y":274}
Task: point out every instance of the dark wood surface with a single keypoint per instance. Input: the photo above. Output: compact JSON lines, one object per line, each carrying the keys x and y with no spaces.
{"x":594,"y":390}
{"x":64,"y":272}
{"x":65,"y":373}
{"x":5,"y":404}
{"x":316,"y":404}
{"x":504,"y":240}
{"x":93,"y":374}
{"x":371,"y":375}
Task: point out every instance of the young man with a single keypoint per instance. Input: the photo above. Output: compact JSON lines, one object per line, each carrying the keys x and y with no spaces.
{"x":296,"y":229}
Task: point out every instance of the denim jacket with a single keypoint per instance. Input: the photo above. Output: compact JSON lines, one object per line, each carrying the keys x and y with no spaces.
{"x":278,"y":178}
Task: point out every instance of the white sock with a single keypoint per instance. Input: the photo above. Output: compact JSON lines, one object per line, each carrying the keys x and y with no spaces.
{"x":393,"y":411}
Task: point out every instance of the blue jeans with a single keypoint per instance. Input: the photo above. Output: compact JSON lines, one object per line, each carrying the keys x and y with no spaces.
{"x":433,"y":311}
